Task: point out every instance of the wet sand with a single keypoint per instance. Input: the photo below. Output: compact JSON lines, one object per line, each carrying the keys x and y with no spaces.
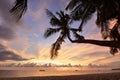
{"x":102,"y":76}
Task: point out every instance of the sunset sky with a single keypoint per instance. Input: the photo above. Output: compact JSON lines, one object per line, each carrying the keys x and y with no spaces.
{"x":23,"y":41}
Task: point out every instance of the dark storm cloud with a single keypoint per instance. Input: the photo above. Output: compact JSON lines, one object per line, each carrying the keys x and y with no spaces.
{"x":9,"y":55}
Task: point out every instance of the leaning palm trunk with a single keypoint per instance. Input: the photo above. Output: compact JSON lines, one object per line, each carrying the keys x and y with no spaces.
{"x":115,"y":44}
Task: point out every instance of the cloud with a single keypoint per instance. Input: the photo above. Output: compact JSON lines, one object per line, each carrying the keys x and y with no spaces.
{"x":9,"y":55}
{"x":2,"y":47}
{"x":115,"y":63}
{"x":6,"y":17}
{"x":27,"y":64}
{"x":39,"y":11}
{"x":21,"y":43}
{"x":8,"y":24}
{"x":6,"y":33}
{"x":12,"y":32}
{"x":108,"y":59}
{"x":98,"y":54}
{"x":5,"y":20}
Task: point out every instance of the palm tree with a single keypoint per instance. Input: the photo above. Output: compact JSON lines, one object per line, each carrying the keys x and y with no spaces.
{"x":60,"y":24}
{"x":107,"y":10}
{"x":83,"y":10}
{"x":19,"y":8}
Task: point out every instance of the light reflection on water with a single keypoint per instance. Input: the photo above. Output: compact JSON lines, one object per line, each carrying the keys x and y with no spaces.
{"x":50,"y":71}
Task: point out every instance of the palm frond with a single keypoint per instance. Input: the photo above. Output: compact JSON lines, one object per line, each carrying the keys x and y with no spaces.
{"x":87,"y":14}
{"x":62,"y":23}
{"x":55,"y":22}
{"x":54,"y":50}
{"x":113,"y":50}
{"x":56,"y":46}
{"x":19,"y":8}
{"x":60,"y":14}
{"x":107,"y":10}
{"x":51,"y":31}
{"x":50,"y":14}
{"x":82,"y":12}
{"x":78,"y":36}
{"x":114,"y":34}
{"x":105,"y":34}
{"x":72,"y":4}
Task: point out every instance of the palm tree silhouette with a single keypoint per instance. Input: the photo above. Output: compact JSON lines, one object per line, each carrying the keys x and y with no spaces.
{"x":83,"y":10}
{"x":107,"y":10}
{"x":60,"y":24}
{"x":19,"y":8}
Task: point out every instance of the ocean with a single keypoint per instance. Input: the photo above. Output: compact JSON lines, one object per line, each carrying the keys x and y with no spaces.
{"x":50,"y":71}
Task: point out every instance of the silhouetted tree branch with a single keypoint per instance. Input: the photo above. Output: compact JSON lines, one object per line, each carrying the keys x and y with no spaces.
{"x":115,"y":44}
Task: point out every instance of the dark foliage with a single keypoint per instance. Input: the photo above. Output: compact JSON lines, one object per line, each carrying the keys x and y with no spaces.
{"x":106,"y":10}
{"x":60,"y":24}
{"x":19,"y":8}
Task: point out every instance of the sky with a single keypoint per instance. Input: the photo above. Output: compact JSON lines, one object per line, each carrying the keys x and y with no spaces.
{"x":23,"y":41}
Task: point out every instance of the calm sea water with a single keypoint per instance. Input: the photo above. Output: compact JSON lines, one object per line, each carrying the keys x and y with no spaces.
{"x":50,"y":71}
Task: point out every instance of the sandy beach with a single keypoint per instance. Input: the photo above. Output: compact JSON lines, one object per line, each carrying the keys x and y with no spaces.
{"x":102,"y":76}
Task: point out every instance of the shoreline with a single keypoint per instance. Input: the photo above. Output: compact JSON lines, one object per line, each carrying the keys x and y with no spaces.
{"x":101,"y":76}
